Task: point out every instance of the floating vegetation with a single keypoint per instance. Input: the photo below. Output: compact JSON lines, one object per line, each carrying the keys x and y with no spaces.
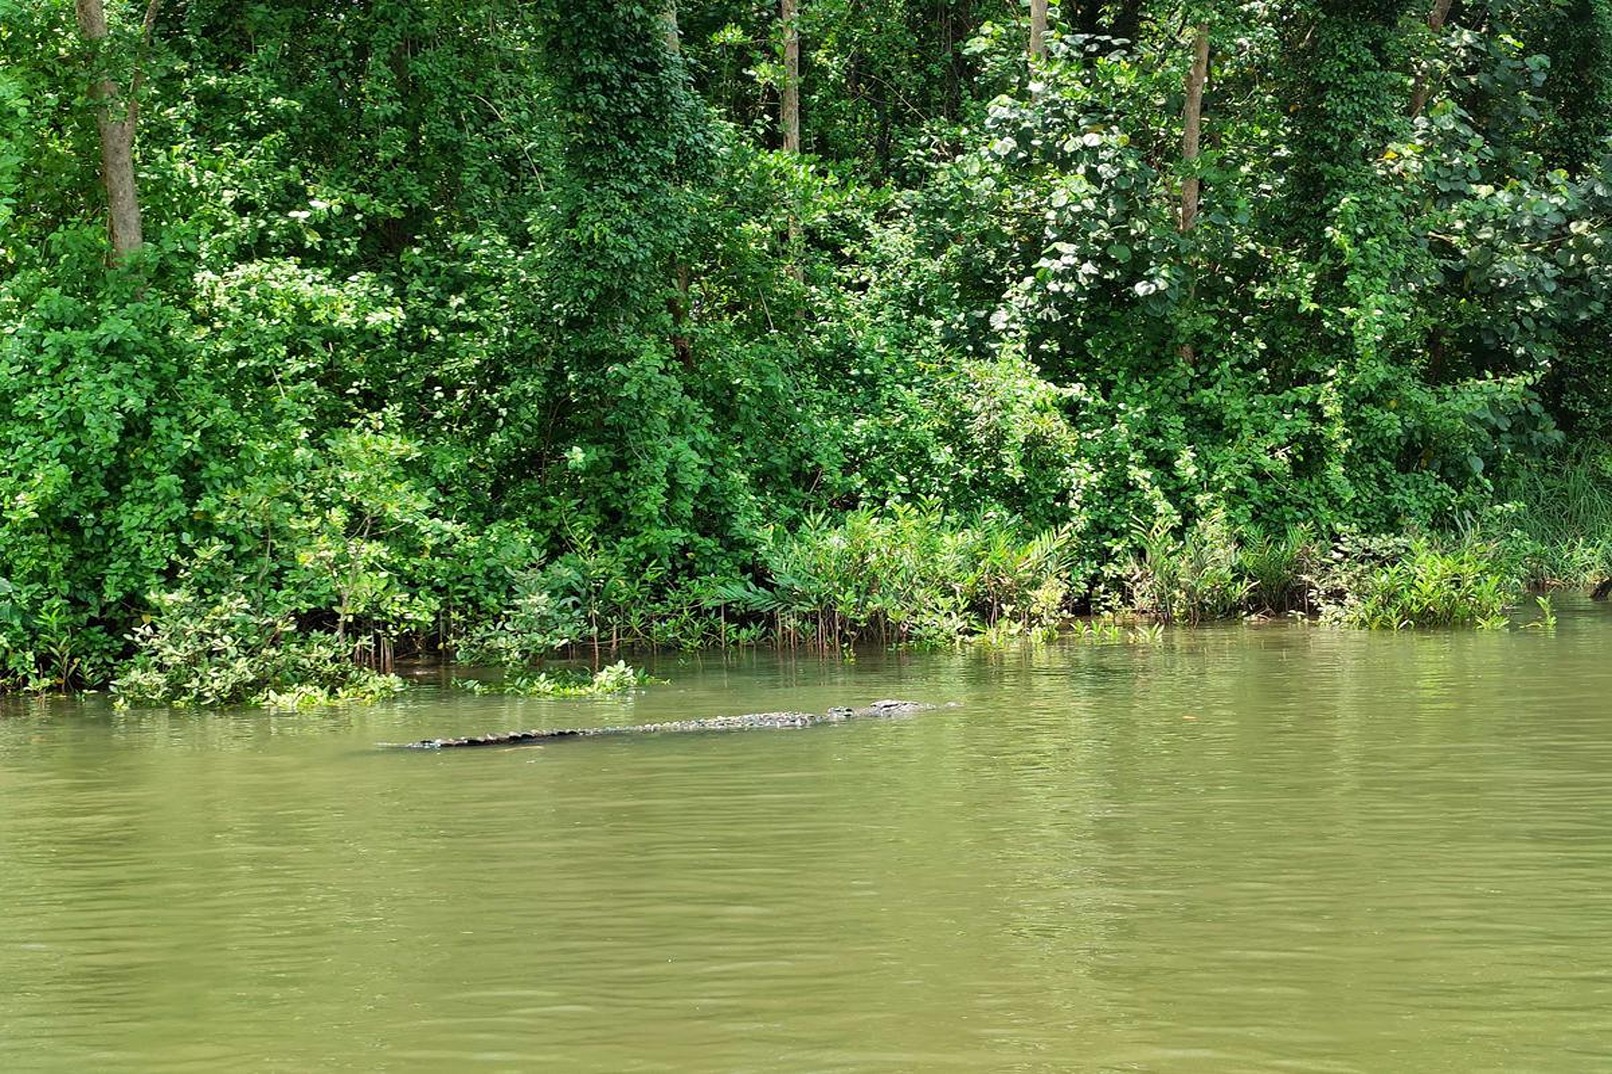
{"x":618,"y":678}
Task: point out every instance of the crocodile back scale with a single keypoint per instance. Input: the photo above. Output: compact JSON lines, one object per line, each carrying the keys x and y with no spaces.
{"x":754,"y":721}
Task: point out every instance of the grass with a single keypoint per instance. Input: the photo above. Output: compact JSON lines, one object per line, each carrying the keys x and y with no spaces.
{"x":1558,"y":518}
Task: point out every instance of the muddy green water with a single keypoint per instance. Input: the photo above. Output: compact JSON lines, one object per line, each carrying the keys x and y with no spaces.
{"x":1245,"y":849}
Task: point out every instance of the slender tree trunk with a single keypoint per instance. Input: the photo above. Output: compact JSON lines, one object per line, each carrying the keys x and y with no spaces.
{"x":1192,"y":127}
{"x":115,"y":117}
{"x":1038,"y":29}
{"x":789,"y":114}
{"x":789,"y":105}
{"x":1420,"y":90}
{"x":1191,"y":139}
{"x":678,"y":305}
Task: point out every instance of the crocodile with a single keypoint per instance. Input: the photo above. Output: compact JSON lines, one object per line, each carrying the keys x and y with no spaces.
{"x":748,"y":722}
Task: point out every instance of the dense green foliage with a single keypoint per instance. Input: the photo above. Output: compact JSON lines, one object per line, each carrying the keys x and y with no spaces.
{"x":480,"y":326}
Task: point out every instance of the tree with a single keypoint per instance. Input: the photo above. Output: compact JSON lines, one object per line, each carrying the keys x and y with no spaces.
{"x":1191,"y":137}
{"x":1192,"y":126}
{"x":610,"y":411}
{"x":115,"y":117}
{"x":1577,"y":36}
{"x":789,"y":112}
{"x":789,"y":96}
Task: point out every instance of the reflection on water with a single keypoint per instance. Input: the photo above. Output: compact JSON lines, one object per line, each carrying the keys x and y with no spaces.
{"x":1246,"y":849}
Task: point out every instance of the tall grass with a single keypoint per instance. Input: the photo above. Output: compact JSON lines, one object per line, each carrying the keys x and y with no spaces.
{"x":907,"y":575}
{"x":1559,"y":517}
{"x":1211,"y":572}
{"x":917,"y":576}
{"x":1425,"y":585}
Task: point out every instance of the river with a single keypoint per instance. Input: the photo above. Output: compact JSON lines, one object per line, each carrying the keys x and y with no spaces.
{"x":1279,"y":848}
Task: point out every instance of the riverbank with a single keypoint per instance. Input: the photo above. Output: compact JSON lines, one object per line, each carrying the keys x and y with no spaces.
{"x":905,"y":577}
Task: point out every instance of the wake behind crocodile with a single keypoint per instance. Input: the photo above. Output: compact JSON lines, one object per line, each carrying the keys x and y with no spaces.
{"x":753,"y":721}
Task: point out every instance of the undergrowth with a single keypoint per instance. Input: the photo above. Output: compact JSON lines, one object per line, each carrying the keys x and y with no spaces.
{"x":907,"y":576}
{"x":1394,"y":585}
{"x":222,"y":651}
{"x":617,"y":678}
{"x":1557,"y":518}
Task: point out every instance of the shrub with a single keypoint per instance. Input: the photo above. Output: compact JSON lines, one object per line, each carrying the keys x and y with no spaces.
{"x":539,"y":620}
{"x":1277,"y":568}
{"x":617,"y":678}
{"x":904,"y":575}
{"x":1418,"y":584}
{"x":1195,"y":578}
{"x":219,"y":650}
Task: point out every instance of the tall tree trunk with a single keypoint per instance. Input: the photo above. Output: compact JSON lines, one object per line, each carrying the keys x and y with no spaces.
{"x":789,"y":114}
{"x":1038,"y":29}
{"x":1191,"y":138}
{"x":789,"y":104}
{"x":678,"y":305}
{"x":1420,"y":90}
{"x":115,"y":117}
{"x":1192,"y":126}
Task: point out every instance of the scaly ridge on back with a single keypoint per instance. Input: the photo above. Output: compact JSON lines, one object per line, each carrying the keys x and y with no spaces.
{"x":753,"y":721}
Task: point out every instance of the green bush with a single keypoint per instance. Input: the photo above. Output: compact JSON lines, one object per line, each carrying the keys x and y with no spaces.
{"x":616,"y":678}
{"x":219,"y":650}
{"x":1278,"y":568}
{"x":1196,"y":578}
{"x":906,"y":575}
{"x":1396,"y":584}
{"x":539,"y":620}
